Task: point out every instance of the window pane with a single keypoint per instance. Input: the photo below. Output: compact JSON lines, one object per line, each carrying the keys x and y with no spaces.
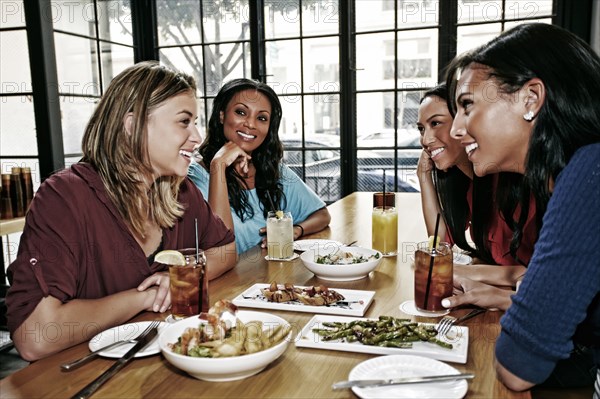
{"x":470,"y":37}
{"x":114,"y":21}
{"x":516,"y":9}
{"x":321,"y":64}
{"x":225,"y":21}
{"x":282,"y":19}
{"x":178,"y":22}
{"x":512,"y":24}
{"x":75,"y":114}
{"x":76,"y":65}
{"x":374,"y":15}
{"x":373,"y":62}
{"x":372,"y":116}
{"x":417,"y":58}
{"x":15,"y":75}
{"x":408,"y":109}
{"x":186,"y":59}
{"x":479,"y":11}
{"x":225,"y":62}
{"x":291,"y":121}
{"x":74,"y":16}
{"x":115,"y":59}
{"x":322,"y":116}
{"x":320,"y":18}
{"x":283,"y":64}
{"x":13,"y":14}
{"x":17,"y":126}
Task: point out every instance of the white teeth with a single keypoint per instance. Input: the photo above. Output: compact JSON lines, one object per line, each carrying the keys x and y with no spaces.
{"x":246,"y":136}
{"x":185,"y":153}
{"x":435,"y":152}
{"x":471,"y":147}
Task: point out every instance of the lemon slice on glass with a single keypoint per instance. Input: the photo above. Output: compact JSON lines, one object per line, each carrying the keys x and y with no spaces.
{"x":431,"y":239}
{"x":170,"y":257}
{"x":279,"y":214}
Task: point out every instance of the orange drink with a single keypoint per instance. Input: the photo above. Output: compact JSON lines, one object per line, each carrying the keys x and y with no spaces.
{"x":188,"y":285}
{"x":385,"y":230}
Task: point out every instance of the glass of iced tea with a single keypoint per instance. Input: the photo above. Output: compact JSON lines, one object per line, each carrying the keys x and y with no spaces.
{"x":280,"y":235}
{"x":189,"y":285}
{"x":429,"y":291}
{"x":384,"y":221}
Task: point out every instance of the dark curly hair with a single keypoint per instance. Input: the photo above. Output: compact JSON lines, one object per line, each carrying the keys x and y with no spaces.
{"x":266,"y":158}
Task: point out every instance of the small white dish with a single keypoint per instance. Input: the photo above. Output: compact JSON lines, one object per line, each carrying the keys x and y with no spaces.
{"x":409,"y":307}
{"x":305,"y":245}
{"x":344,"y":272}
{"x":405,"y":366}
{"x":124,"y":332}
{"x":294,"y":257}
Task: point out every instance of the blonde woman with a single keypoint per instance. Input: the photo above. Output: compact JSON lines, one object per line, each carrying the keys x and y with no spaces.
{"x":86,"y":257}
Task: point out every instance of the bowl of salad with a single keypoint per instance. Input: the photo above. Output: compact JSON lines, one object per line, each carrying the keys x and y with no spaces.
{"x":342,"y":263}
{"x":212,"y":351}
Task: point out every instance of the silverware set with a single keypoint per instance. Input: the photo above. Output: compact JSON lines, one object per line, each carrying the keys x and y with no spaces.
{"x":400,"y":381}
{"x":142,"y":341}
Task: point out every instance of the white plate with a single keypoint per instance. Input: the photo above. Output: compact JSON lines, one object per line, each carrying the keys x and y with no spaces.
{"x":409,"y":307}
{"x":458,"y":354}
{"x":124,"y":332}
{"x":401,"y":366}
{"x":294,"y":257}
{"x":253,"y":298}
{"x":305,"y":245}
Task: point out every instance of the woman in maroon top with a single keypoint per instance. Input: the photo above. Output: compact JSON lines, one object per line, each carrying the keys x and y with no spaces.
{"x":85,"y":260}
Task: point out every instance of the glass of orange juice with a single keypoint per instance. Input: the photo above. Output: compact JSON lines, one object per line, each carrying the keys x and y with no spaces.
{"x":385,"y":224}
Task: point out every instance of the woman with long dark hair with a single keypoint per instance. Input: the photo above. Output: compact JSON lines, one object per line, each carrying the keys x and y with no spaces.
{"x":465,"y":201}
{"x":529,"y":102}
{"x":241,"y":172}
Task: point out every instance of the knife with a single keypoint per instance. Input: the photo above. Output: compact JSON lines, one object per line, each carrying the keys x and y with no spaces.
{"x":118,"y":365}
{"x":398,"y":381}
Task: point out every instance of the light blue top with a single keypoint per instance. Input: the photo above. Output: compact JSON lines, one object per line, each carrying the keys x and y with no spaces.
{"x":301,"y":202}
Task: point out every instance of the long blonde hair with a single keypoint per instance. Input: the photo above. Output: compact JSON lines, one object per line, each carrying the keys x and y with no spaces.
{"x":122,"y":158}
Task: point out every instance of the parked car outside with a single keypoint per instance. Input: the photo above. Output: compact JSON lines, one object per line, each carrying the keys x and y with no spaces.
{"x":323,"y":171}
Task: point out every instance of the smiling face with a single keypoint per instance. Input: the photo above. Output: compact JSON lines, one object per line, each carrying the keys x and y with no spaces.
{"x":435,"y":123}
{"x":490,"y":124}
{"x":246,"y":119}
{"x":172,"y":135}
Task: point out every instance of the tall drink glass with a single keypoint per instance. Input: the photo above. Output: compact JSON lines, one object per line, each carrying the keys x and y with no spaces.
{"x":440,"y":286}
{"x":280,"y":235}
{"x":384,"y":221}
{"x":189,"y":285}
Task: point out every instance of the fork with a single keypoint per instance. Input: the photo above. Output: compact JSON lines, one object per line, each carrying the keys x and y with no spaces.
{"x":76,"y":363}
{"x":448,"y":321}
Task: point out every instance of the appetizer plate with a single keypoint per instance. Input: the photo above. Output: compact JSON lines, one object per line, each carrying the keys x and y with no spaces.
{"x":458,"y":337}
{"x":406,"y":366}
{"x":355,"y":302}
{"x":124,"y":332}
{"x":305,"y":245}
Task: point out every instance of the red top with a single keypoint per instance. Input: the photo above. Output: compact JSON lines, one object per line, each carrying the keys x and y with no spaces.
{"x":500,"y":234}
{"x":76,"y":245}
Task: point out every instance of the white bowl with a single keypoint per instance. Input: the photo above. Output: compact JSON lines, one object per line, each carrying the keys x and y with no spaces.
{"x":354,"y":271}
{"x":223,"y":368}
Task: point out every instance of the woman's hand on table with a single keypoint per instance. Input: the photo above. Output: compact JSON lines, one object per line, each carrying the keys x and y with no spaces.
{"x":158,"y":286}
{"x":470,"y":292}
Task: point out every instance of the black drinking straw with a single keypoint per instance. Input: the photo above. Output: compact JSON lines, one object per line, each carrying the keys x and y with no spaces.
{"x":271,"y":201}
{"x":384,"y":199}
{"x":437,"y":225}
{"x":197,"y":249}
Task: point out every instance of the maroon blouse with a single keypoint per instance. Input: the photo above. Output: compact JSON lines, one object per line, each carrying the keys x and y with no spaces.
{"x":76,"y":245}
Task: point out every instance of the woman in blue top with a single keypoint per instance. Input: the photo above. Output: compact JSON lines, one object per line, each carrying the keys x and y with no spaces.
{"x":241,"y":172}
{"x":529,"y":102}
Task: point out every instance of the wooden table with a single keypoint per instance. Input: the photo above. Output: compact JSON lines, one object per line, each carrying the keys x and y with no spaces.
{"x":300,"y":372}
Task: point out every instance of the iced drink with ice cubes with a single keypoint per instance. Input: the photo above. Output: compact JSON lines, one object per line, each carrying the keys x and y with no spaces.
{"x":441,"y":283}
